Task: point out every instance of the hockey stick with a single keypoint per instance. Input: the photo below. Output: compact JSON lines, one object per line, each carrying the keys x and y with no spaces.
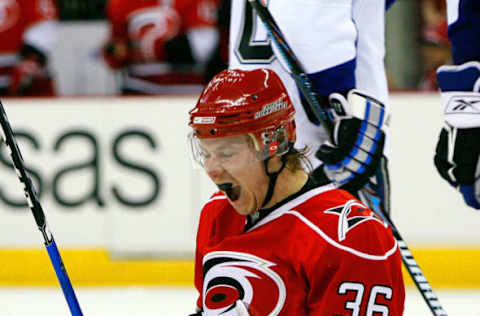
{"x":38,"y":214}
{"x":302,"y":80}
{"x":296,"y":69}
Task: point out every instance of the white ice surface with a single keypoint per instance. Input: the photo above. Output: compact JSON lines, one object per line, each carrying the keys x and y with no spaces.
{"x":170,"y":301}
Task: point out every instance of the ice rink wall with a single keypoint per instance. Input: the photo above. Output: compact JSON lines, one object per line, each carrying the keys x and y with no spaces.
{"x":122,"y":198}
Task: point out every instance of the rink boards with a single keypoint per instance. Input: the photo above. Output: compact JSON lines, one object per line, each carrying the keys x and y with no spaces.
{"x":122,"y":198}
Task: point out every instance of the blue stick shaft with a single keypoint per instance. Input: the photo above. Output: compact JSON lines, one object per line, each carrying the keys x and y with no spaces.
{"x":63,"y":279}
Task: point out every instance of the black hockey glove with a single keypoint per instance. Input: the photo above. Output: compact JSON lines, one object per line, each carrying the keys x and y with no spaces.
{"x":359,"y":138}
{"x":458,"y":148}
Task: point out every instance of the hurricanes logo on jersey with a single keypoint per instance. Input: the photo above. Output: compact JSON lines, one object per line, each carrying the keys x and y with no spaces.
{"x":149,"y":28}
{"x":231,"y":276}
{"x":352,"y":214}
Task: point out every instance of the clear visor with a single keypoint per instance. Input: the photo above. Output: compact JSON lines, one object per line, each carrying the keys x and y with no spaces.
{"x":224,"y":153}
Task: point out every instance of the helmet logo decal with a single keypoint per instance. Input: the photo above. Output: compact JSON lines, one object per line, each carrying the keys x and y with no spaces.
{"x":273,"y":147}
{"x":275,"y":106}
{"x":204,"y":120}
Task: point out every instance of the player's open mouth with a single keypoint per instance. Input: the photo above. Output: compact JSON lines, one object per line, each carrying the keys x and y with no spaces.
{"x":233,"y":192}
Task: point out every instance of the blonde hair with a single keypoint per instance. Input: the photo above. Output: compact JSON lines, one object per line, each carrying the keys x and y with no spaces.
{"x":297,"y":159}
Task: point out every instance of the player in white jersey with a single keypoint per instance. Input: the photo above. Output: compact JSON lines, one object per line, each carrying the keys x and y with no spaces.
{"x":341,"y":45}
{"x":458,"y":148}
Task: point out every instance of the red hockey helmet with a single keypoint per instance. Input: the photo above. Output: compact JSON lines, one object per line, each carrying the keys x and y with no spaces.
{"x":255,"y":102}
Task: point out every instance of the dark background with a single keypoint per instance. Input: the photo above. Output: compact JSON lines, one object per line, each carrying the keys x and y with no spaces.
{"x":72,"y":10}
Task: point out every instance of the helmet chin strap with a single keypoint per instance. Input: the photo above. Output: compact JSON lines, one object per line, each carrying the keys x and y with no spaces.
{"x":272,"y":177}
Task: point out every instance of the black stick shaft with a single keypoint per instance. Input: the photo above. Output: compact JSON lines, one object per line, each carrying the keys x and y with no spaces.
{"x":295,"y":67}
{"x":320,"y":112}
{"x":416,"y":272}
{"x":38,"y":214}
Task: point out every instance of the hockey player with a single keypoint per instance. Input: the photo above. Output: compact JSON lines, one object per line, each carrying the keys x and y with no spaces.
{"x":341,"y":46}
{"x":27,"y":37}
{"x":159,"y":44}
{"x":457,"y":155}
{"x":273,"y":241}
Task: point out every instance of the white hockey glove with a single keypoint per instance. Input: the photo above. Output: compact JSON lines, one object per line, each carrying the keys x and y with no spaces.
{"x":458,"y":148}
{"x":359,"y":137}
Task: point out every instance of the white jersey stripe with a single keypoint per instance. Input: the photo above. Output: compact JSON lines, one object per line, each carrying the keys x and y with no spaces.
{"x":288,"y":209}
{"x":218,"y":197}
{"x":288,"y":206}
{"x":345,"y":248}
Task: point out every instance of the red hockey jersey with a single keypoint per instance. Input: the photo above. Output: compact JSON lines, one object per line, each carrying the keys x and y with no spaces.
{"x":321,"y":253}
{"x":17,"y":17}
{"x":145,"y":26}
{"x":125,"y":14}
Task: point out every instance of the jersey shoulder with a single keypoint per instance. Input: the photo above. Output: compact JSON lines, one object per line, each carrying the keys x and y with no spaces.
{"x":38,"y":10}
{"x":218,"y":220}
{"x":346,"y":224}
{"x":214,"y":204}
